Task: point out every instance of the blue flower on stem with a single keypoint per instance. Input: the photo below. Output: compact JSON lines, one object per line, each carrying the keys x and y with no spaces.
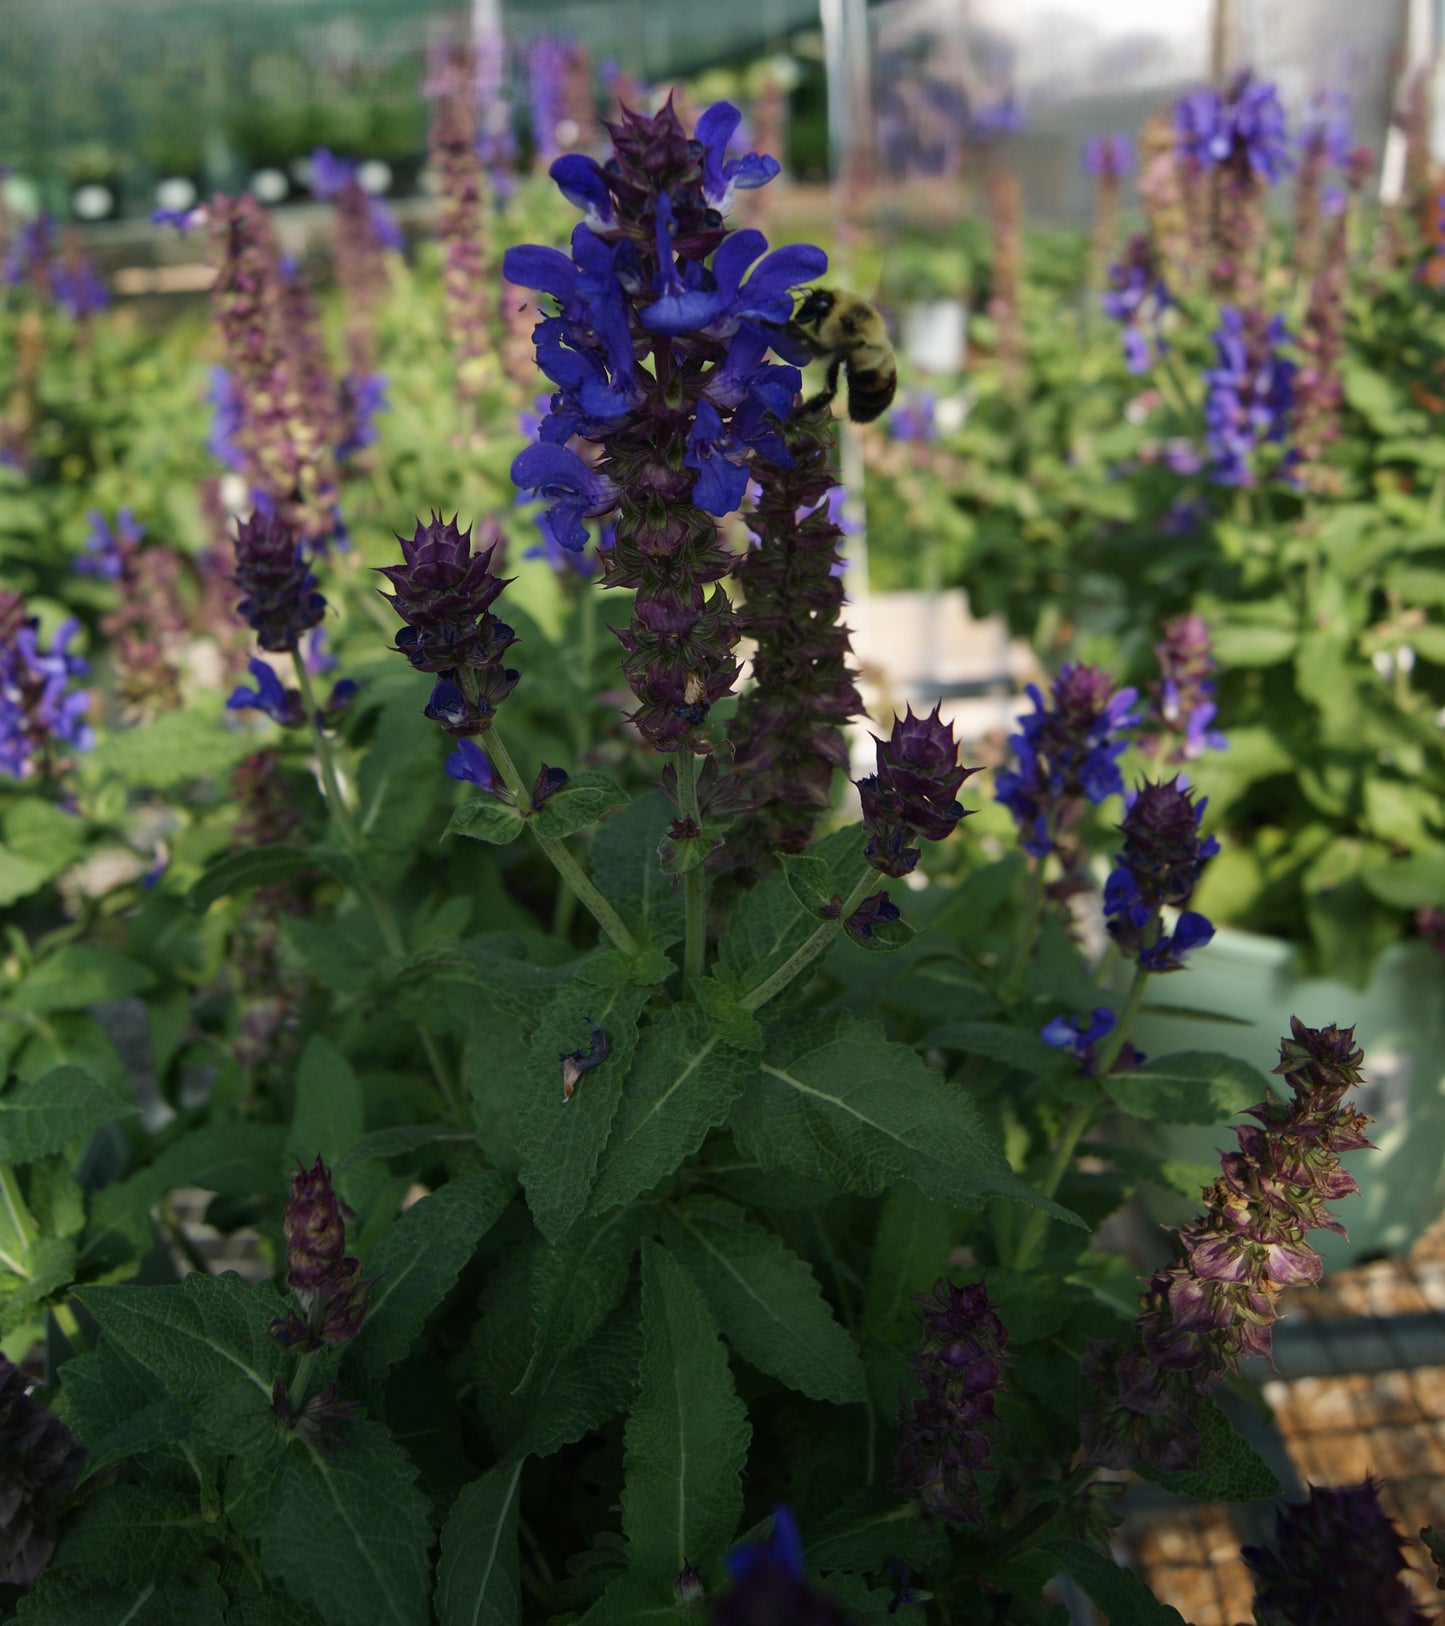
{"x":722,"y":177}
{"x":1250,"y":399}
{"x":766,"y":295}
{"x":227,"y":422}
{"x":470,"y":764}
{"x":1245,"y":128}
{"x":1078,"y":1035}
{"x":270,"y":695}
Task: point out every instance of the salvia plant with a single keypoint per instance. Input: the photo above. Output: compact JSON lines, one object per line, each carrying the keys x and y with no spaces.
{"x":667,"y":1149}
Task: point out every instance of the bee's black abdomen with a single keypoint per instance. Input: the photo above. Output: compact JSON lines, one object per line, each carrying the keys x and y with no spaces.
{"x":870,"y":394}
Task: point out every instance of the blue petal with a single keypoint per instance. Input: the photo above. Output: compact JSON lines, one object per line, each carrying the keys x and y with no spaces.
{"x":552,"y":470}
{"x":682,"y":313}
{"x":548,"y":269}
{"x":757,"y":169}
{"x":737,"y":252}
{"x":581,"y":181}
{"x":469,"y":763}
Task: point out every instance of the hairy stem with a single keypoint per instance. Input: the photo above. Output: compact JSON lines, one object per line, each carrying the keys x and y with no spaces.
{"x":803,"y":957}
{"x":694,"y":882}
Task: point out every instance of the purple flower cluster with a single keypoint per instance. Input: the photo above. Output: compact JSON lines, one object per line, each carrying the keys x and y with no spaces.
{"x":1250,"y":396}
{"x":787,"y":734}
{"x":1301,"y":1577}
{"x":1135,"y":298}
{"x":657,"y":349}
{"x":106,"y":549}
{"x":913,"y":793}
{"x":942,"y":1437}
{"x":279,"y":597}
{"x":332,"y":1296}
{"x":1245,"y":129}
{"x":277,"y":409}
{"x":462,"y":186}
{"x":1202,"y":1316}
{"x":1159,"y":868}
{"x":1067,"y":755}
{"x":1184,"y":705}
{"x":58,"y":274}
{"x":770,"y":1584}
{"x":444,"y":593}
{"x":914,"y":418}
{"x":40,"y":710}
{"x":1109,"y":158}
{"x":40,"y":1465}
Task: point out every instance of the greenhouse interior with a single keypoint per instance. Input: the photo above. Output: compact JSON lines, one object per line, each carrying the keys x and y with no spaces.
{"x":614,"y":615}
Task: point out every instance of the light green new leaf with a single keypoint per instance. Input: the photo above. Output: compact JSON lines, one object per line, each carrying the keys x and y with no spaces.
{"x":45,"y":1115}
{"x":1188,"y":1087}
{"x":477,"y":1579}
{"x":79,"y":975}
{"x":766,"y":1300}
{"x":348,"y":1534}
{"x":178,"y":746}
{"x":681,"y":1084}
{"x":687,"y":1434}
{"x":1230,"y":1469}
{"x":860,"y":1113}
{"x":561,"y":1140}
{"x":418,"y":1259}
{"x":1123,"y":1597}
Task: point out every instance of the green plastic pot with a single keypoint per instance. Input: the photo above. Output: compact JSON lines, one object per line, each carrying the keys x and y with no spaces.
{"x":1399,"y":1021}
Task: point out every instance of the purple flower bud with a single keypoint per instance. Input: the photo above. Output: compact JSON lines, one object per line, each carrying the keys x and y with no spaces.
{"x":326,"y":1283}
{"x":1336,"y":1561}
{"x":314,"y":1419}
{"x":444,"y":591}
{"x":469,"y":763}
{"x":279,"y":598}
{"x":40,"y":1464}
{"x":913,"y":793}
{"x":942,"y":1438}
{"x":548,"y":781}
{"x":1109,"y":158}
{"x":874,"y":911}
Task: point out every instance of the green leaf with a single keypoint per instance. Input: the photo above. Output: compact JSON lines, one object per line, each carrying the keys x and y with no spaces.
{"x":40,"y":841}
{"x":1230,"y":1469}
{"x":680,"y":1085}
{"x":860,"y":1113}
{"x":1123,"y":1597}
{"x":45,"y":1115}
{"x":583,"y":800}
{"x":240,"y":872}
{"x":178,"y":746}
{"x":209,"y":1335}
{"x":485,"y":818}
{"x":403,"y":755}
{"x":192,"y":1599}
{"x":1188,"y":1087}
{"x":49,"y":1265}
{"x":633,"y":1601}
{"x":909,"y":1253}
{"x":561,"y":1140}
{"x":77,"y":976}
{"x":809,"y":880}
{"x":418,"y":1260}
{"x":328,"y":1114}
{"x":626,"y":870}
{"x":1408,"y":883}
{"x":687,"y":1433}
{"x":766,"y":1300}
{"x":1015,"y":1047}
{"x":477,"y":1577}
{"x":132,"y":1534}
{"x":382,"y":1144}
{"x":349,"y":1533}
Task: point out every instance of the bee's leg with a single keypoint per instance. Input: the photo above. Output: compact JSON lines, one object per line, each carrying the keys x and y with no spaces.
{"x":829,"y":389}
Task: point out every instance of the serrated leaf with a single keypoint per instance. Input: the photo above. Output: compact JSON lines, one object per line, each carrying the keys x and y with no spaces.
{"x":626,"y":870}
{"x":328,"y":1113}
{"x":132,"y":1534}
{"x":49,"y":1265}
{"x":178,"y":746}
{"x":206,"y":1336}
{"x":681,"y":1084}
{"x":1015,"y":1047}
{"x":381,"y":1144}
{"x":561,"y":1140}
{"x":418,"y":1259}
{"x":582,"y":801}
{"x":192,"y":1599}
{"x":1188,"y":1087}
{"x":809,"y":880}
{"x":349,"y":1533}
{"x":574,"y":1285}
{"x":687,"y":1433}
{"x":1123,"y":1597}
{"x":860,"y":1113}
{"x":77,"y":976}
{"x":632,"y":1601}
{"x":910,"y":1252}
{"x":241,"y":872}
{"x":1229,"y":1470}
{"x":477,"y":1576}
{"x":484,"y":818}
{"x":766,"y":1300}
{"x":43,"y":1116}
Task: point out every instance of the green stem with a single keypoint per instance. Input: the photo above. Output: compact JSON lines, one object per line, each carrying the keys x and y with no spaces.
{"x":563,"y":861}
{"x":803,"y":957}
{"x":66,"y":1320}
{"x":1031,"y":1233}
{"x":694,"y":903}
{"x":296,"y":1391}
{"x":1029,"y":931}
{"x":22,"y":1221}
{"x":380,"y":906}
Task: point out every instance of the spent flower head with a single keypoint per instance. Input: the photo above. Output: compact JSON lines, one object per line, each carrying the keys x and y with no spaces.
{"x":279,"y":596}
{"x":327,"y":1284}
{"x":40,"y":1464}
{"x":914,"y":792}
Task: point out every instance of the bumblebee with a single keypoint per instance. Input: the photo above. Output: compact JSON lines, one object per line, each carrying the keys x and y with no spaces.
{"x":848,"y":333}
